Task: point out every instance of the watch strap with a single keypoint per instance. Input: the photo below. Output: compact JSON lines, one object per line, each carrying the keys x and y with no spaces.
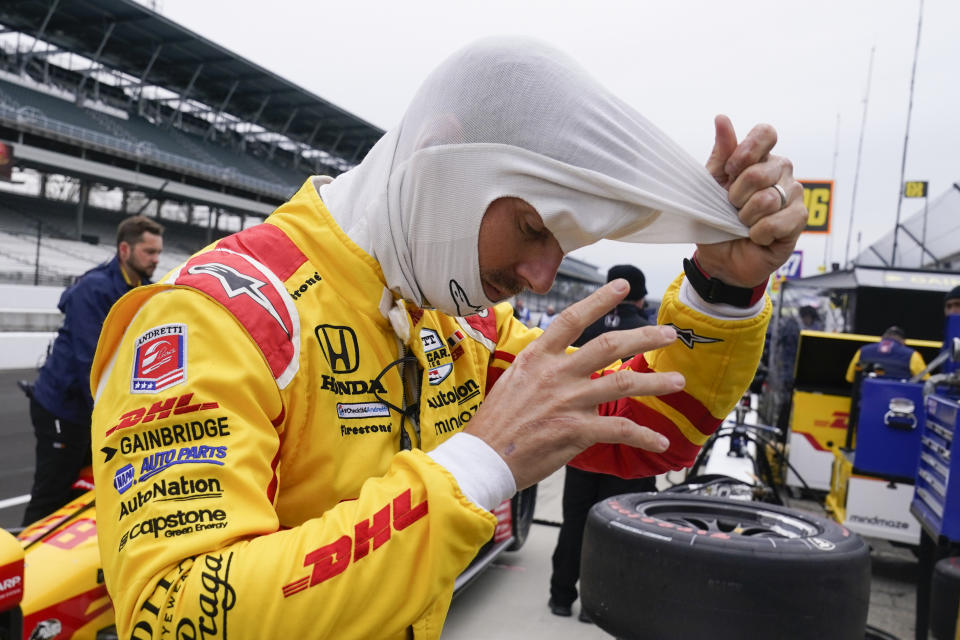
{"x":716,"y":291}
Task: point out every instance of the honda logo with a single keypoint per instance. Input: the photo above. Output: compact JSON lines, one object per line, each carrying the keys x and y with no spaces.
{"x":339,"y":346}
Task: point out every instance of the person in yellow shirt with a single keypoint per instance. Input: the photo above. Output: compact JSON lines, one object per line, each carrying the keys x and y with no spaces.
{"x":301,"y":431}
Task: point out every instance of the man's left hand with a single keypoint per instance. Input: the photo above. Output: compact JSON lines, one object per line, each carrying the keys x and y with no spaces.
{"x":748,"y":172}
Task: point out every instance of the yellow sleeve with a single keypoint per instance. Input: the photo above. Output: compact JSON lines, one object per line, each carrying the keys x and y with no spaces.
{"x":917,"y":364}
{"x":852,"y":367}
{"x":718,"y":358}
{"x":186,"y":480}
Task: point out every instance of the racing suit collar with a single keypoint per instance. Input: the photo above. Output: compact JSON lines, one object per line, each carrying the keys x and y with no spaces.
{"x":310,"y":225}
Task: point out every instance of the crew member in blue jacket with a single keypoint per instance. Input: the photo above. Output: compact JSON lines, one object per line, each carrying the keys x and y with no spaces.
{"x":889,"y":358}
{"x":60,"y":401}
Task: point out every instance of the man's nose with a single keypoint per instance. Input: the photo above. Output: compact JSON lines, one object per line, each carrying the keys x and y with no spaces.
{"x":540,"y":271}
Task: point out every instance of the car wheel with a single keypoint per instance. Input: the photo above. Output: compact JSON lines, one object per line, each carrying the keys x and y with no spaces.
{"x":522,"y":506}
{"x":945,"y":598}
{"x":659,"y":566}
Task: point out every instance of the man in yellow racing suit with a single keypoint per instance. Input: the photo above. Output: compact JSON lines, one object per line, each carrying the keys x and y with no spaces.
{"x":289,"y":443}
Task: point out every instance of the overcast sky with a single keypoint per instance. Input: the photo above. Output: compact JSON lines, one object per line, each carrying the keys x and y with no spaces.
{"x":799,"y":66}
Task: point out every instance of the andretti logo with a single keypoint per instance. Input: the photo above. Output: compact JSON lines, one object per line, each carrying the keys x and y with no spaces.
{"x":159,"y":359}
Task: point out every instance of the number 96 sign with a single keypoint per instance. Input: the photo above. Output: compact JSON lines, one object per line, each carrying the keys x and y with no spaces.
{"x":817,"y":198}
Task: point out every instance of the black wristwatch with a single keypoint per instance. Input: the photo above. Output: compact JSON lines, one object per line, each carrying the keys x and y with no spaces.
{"x":716,"y":291}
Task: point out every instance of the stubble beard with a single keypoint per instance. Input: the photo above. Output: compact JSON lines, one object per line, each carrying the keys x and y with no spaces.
{"x":504,"y":280}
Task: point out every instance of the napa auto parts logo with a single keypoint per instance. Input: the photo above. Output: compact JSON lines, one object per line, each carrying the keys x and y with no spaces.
{"x":159,"y":359}
{"x":126,"y":476}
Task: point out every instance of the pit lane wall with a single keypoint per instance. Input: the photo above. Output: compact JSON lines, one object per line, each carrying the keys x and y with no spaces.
{"x":29,"y":320}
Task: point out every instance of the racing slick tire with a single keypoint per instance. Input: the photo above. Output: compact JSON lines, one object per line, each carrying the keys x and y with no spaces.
{"x":657,"y":566}
{"x":522,"y":506}
{"x":945,"y":599}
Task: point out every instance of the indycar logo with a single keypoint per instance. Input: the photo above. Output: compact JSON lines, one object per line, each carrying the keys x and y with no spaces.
{"x":159,"y":360}
{"x":439,"y":362}
{"x":339,"y":346}
{"x":689,"y":338}
{"x":236,"y":284}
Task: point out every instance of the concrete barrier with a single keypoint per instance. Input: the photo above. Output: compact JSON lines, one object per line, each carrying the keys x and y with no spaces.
{"x":20,"y":296}
{"x":29,"y":320}
{"x":24,"y":349}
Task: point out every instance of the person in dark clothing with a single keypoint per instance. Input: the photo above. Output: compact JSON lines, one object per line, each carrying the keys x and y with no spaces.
{"x":60,"y":400}
{"x":951,"y":302}
{"x":810,"y":319}
{"x":583,"y":489}
{"x":889,"y":358}
{"x":626,"y":315}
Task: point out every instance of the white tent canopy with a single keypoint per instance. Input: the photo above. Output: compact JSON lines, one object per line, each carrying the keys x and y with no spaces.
{"x":928,"y":237}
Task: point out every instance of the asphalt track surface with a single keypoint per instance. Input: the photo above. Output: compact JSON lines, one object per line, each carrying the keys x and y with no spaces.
{"x":508,"y":601}
{"x":16,"y":447}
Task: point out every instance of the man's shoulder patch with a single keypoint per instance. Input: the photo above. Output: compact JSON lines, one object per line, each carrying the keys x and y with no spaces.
{"x":257,"y":299}
{"x":159,"y":359}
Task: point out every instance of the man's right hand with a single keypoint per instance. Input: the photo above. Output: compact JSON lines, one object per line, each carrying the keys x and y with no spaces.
{"x":543,"y":410}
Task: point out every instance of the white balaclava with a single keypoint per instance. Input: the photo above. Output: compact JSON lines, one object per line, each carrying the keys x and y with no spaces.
{"x":514,"y":117}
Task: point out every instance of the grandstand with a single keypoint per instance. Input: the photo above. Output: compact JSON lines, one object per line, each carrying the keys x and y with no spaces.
{"x":111,"y":109}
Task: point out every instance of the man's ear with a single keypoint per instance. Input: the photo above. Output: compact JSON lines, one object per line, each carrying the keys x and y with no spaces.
{"x":123,"y":251}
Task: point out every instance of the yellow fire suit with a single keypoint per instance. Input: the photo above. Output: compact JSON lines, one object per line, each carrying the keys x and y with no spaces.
{"x":249,"y":447}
